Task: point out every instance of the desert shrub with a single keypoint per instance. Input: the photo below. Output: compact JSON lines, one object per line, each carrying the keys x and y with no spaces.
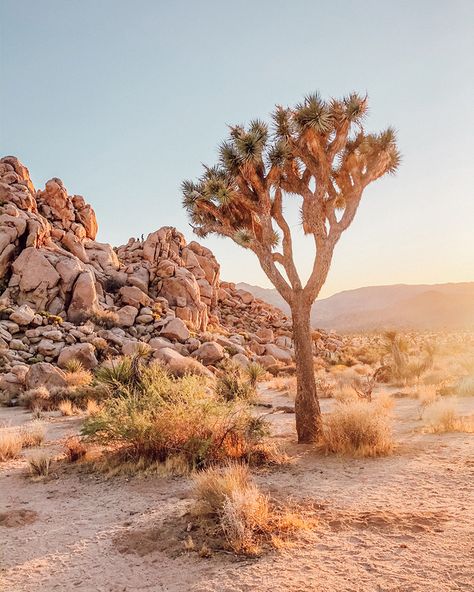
{"x":255,"y":373}
{"x":32,"y":434}
{"x":161,"y":416}
{"x":67,"y":408}
{"x":443,"y":416}
{"x":285,"y":384}
{"x":248,"y":519}
{"x":324,"y":388}
{"x":358,"y":428}
{"x":406,"y":364}
{"x":75,"y":449}
{"x":129,"y":372}
{"x":39,"y":465}
{"x":10,"y":444}
{"x":37,"y":398}
{"x":345,"y":394}
{"x":465,"y":386}
{"x":104,"y":318}
{"x":92,"y":407}
{"x":76,"y":374}
{"x":235,"y":384}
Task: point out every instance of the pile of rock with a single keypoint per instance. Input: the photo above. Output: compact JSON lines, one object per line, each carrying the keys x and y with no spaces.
{"x":64,"y":295}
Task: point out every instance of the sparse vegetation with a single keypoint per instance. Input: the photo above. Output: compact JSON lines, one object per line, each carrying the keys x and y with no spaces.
{"x":104,"y":318}
{"x":75,"y":449}
{"x":10,"y":444}
{"x":443,"y":416}
{"x":247,"y":518}
{"x":32,"y":434}
{"x":67,"y":408}
{"x":154,"y":416}
{"x":235,"y":383}
{"x":358,"y":428}
{"x":77,"y":375}
{"x":406,"y":364}
{"x":39,"y":465}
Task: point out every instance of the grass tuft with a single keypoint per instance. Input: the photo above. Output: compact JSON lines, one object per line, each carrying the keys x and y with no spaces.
{"x":358,"y":428}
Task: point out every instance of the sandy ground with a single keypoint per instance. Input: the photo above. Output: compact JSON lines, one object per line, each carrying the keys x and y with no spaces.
{"x":403,"y":523}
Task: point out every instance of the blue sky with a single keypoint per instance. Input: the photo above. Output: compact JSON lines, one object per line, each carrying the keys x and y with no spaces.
{"x":124,"y":100}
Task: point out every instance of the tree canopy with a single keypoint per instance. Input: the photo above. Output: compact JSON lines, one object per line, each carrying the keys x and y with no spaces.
{"x":317,"y":151}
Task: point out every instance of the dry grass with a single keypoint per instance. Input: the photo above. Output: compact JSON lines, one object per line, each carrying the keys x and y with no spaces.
{"x":104,"y":318}
{"x":465,"y":386}
{"x":443,"y":416}
{"x":32,"y":434}
{"x":345,"y":393}
{"x":10,"y":444}
{"x":75,"y":449}
{"x":247,"y":518}
{"x":39,"y":465}
{"x":37,"y":398}
{"x":284,"y":384}
{"x":92,"y":407}
{"x":358,"y":428}
{"x":67,"y":408}
{"x":79,"y":378}
{"x":13,"y":440}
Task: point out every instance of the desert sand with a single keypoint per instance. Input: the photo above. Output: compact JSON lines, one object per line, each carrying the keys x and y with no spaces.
{"x":403,"y":523}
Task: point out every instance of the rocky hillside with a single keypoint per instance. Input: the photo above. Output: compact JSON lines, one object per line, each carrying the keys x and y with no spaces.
{"x":64,"y":295}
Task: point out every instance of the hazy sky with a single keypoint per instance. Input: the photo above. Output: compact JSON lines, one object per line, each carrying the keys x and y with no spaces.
{"x":124,"y":100}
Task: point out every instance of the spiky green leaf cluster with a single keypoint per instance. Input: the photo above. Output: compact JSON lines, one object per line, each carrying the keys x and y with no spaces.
{"x":226,"y":199}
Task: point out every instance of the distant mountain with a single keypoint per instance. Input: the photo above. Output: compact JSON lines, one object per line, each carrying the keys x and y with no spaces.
{"x":438,"y":306}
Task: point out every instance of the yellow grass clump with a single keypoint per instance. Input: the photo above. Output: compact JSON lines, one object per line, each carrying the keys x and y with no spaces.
{"x":443,"y":416}
{"x":32,"y":434}
{"x":39,"y":465}
{"x":358,"y":428}
{"x":67,"y":408}
{"x":10,"y":444}
{"x":247,"y":518}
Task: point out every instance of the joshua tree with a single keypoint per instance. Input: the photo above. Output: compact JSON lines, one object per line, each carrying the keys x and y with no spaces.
{"x":319,"y":153}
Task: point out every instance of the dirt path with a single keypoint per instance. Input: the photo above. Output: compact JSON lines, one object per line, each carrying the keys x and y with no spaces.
{"x":403,"y":523}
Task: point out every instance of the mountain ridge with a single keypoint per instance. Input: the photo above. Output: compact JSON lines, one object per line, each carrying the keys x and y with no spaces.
{"x":447,"y":305}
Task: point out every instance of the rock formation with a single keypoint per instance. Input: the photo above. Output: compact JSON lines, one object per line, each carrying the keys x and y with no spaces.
{"x":64,"y":295}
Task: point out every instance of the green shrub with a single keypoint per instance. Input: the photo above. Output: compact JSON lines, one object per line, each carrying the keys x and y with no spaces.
{"x":235,"y":384}
{"x":175,"y":417}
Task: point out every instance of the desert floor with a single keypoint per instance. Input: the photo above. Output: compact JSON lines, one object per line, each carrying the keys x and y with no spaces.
{"x":400,"y":523}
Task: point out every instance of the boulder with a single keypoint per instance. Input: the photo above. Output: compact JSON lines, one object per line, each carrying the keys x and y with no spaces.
{"x":282,"y":355}
{"x":175,"y":329}
{"x":180,"y":365}
{"x":84,"y":297}
{"x":159,"y":343}
{"x":209,"y":353}
{"x":130,"y":347}
{"x":133,"y":296}
{"x":266,"y":361}
{"x":126,"y":316}
{"x":265,"y":335}
{"x":241,"y":360}
{"x":44,"y":374}
{"x":246,"y":297}
{"x":23,"y":315}
{"x":83,"y":352}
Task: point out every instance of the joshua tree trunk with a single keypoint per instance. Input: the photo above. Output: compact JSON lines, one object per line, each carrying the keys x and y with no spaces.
{"x":308,"y":412}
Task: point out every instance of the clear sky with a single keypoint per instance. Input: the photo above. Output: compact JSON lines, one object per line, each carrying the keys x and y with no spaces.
{"x":123,"y":100}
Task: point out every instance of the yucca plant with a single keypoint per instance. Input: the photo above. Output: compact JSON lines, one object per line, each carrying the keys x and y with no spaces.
{"x":317,"y":152}
{"x":255,"y":373}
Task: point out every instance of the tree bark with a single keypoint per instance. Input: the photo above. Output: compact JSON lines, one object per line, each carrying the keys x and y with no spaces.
{"x":307,"y":410}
